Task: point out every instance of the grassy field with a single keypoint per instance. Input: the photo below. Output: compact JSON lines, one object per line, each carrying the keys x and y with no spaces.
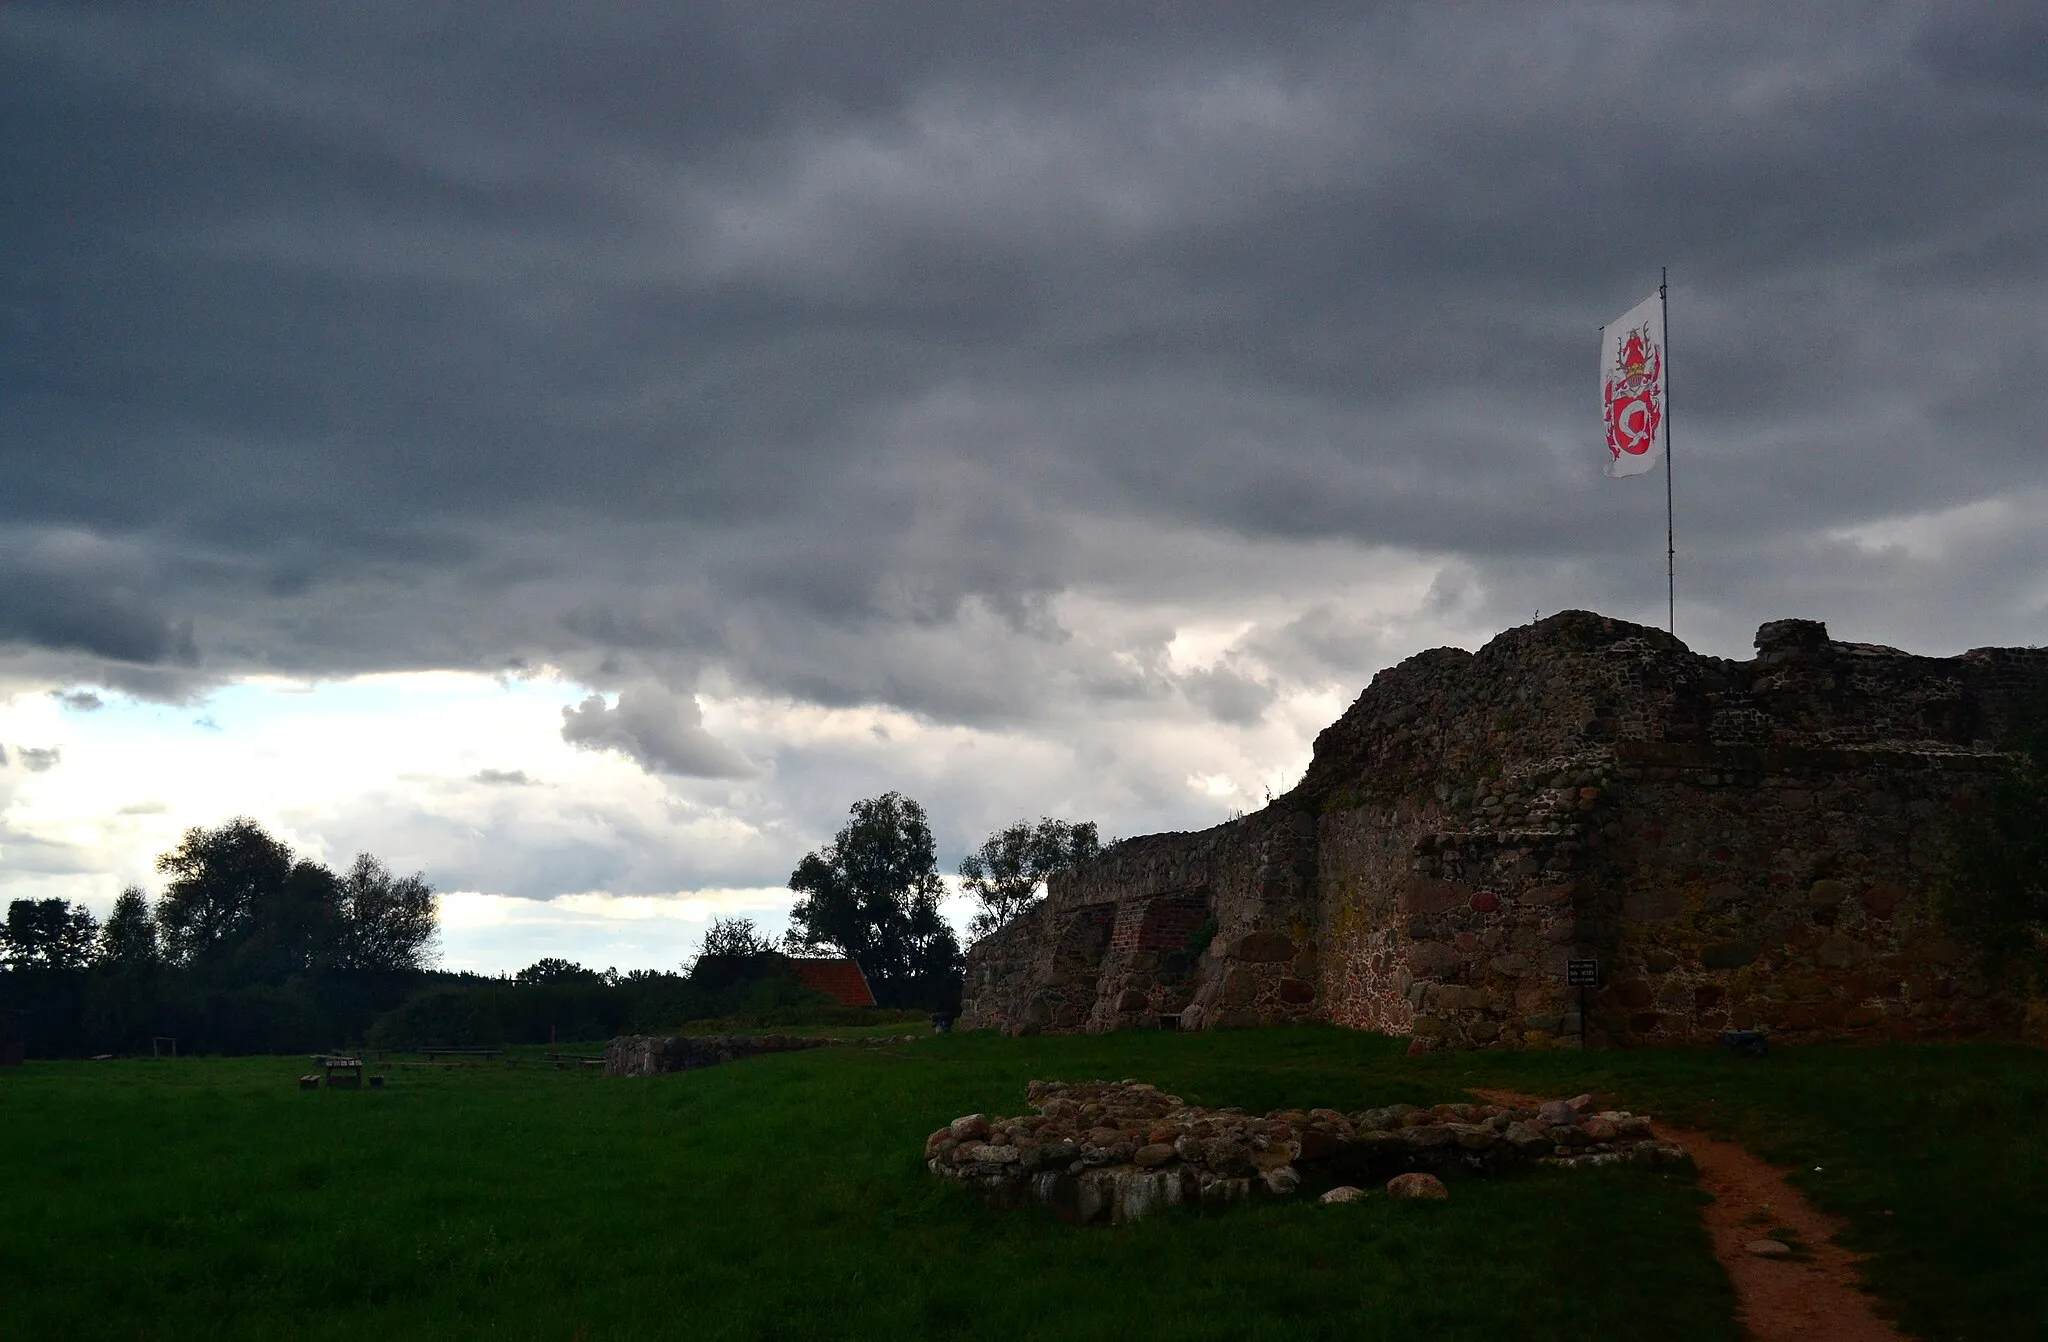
{"x":785,"y":1197}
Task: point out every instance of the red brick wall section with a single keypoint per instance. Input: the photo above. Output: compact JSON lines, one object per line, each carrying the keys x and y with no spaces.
{"x":1170,"y":922}
{"x":1163,"y":923}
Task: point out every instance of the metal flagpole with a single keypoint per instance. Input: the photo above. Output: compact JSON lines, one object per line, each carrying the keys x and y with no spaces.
{"x":1670,"y":547}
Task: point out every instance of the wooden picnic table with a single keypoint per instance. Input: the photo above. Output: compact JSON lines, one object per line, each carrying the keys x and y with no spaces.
{"x":341,"y":1069}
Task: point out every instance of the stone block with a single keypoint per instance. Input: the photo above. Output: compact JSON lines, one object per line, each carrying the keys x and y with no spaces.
{"x":1654,"y":905}
{"x":1724,"y":894}
{"x":1839,"y":952}
{"x":1825,"y":894}
{"x":1426,"y":895}
{"x":1428,"y":959}
{"x":1264,"y":947}
{"x":1730,"y":955}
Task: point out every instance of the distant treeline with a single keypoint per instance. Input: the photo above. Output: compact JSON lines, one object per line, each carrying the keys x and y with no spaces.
{"x":251,"y":949}
{"x":558,"y":1001}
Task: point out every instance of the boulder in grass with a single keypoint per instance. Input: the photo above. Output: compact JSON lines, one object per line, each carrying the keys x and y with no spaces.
{"x":1282,"y":1181}
{"x":1340,"y":1194}
{"x":1417,"y":1187}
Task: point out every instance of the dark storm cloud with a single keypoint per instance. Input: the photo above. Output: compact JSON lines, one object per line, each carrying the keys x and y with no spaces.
{"x":662,"y":731}
{"x":830,"y":346}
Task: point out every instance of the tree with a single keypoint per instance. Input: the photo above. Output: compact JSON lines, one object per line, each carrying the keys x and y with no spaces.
{"x":129,"y":940}
{"x":552,"y":969}
{"x":733,"y":937}
{"x":872,"y":894}
{"x":387,"y":923}
{"x":240,"y":905}
{"x":222,"y":882}
{"x":48,"y":934}
{"x":1005,"y":874}
{"x":734,"y":952}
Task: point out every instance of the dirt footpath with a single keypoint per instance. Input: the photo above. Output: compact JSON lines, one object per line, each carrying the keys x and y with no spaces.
{"x":1810,"y":1296}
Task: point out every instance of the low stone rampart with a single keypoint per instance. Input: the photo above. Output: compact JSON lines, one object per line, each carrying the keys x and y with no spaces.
{"x":651,"y":1055}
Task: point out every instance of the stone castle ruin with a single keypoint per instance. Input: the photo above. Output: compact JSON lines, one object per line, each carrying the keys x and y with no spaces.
{"x":1738,"y":845}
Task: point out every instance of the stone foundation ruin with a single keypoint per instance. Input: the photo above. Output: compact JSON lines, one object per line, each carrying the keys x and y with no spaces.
{"x":655,"y":1054}
{"x":1738,"y":845}
{"x":1115,"y":1152}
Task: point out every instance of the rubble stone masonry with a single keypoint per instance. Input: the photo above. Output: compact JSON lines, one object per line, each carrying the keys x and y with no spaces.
{"x":1738,"y":845}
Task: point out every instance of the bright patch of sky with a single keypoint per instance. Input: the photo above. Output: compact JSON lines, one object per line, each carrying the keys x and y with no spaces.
{"x":539,"y":848}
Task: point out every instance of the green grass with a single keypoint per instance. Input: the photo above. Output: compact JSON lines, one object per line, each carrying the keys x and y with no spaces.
{"x":784,"y":1197}
{"x":1937,"y":1155}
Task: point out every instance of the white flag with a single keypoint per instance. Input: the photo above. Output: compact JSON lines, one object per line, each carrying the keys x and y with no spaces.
{"x":1632,"y":380}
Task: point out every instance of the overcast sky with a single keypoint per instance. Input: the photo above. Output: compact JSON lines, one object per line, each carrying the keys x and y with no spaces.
{"x":578,"y":450}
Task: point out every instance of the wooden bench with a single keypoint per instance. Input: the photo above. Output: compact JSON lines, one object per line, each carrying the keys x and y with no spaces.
{"x":432,"y":1053}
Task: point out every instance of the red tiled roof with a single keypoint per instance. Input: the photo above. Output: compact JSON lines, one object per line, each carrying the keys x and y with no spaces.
{"x":838,"y":979}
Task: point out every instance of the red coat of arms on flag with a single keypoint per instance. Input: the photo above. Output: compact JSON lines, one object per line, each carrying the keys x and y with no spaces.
{"x":1635,"y":394}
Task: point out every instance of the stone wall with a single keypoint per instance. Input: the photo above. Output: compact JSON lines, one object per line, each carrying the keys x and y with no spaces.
{"x":652,"y":1055}
{"x":1738,"y":844}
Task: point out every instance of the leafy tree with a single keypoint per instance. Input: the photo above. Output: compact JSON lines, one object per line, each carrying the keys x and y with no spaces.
{"x":872,"y":894}
{"x":734,"y":952}
{"x":48,"y":934}
{"x":388,"y":922}
{"x":129,"y":940}
{"x":222,"y":883}
{"x":736,"y":937}
{"x":552,"y":969}
{"x":240,"y":906}
{"x":299,"y":928}
{"x":1998,"y":887}
{"x":1006,"y":873}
